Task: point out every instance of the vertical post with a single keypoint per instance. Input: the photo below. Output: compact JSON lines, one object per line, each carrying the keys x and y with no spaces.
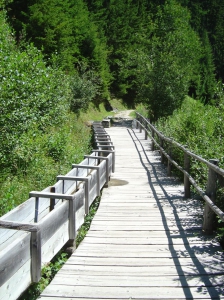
{"x":211,"y":192}
{"x":113,"y":161}
{"x":107,"y":173}
{"x":187,"y":191}
{"x":98,"y":181}
{"x":36,"y":209}
{"x":146,"y":127}
{"x":153,"y":136}
{"x":140,"y":127}
{"x":35,"y":255}
{"x":161,"y":145}
{"x":52,"y":201}
{"x":169,"y":165}
{"x":72,"y":224}
{"x":87,"y":196}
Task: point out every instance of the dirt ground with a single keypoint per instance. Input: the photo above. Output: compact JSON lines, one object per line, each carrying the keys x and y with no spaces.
{"x":124,"y":114}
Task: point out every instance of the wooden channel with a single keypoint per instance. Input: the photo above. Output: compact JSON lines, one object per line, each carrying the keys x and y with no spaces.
{"x":146,"y":240}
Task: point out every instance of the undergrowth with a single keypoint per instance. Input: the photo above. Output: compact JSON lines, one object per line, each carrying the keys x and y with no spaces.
{"x":200,"y":128}
{"x":55,"y":153}
{"x":40,"y":156}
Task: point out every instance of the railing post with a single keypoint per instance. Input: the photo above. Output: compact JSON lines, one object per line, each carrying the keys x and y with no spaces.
{"x":161,"y":145}
{"x":72,"y":225}
{"x":52,"y":200}
{"x":140,"y":127}
{"x":146,"y":127}
{"x":169,"y":165}
{"x":187,"y":162}
{"x":153,"y":136}
{"x":35,"y":255}
{"x":208,"y":221}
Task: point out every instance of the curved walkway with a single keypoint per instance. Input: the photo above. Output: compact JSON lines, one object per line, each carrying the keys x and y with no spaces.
{"x":145,"y":241}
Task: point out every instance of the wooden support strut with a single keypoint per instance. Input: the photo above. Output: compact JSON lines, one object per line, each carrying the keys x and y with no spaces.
{"x":77,"y":178}
{"x":107,"y":151}
{"x":107,"y":164}
{"x":162,"y":155}
{"x":208,"y":221}
{"x":35,"y":245}
{"x":105,"y":146}
{"x":169,"y":164}
{"x":71,"y":199}
{"x":146,"y":132}
{"x":187,"y":191}
{"x":153,"y":143}
{"x":91,"y":168}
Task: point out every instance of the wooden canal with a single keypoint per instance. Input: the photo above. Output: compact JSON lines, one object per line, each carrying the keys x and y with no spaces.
{"x":146,"y":240}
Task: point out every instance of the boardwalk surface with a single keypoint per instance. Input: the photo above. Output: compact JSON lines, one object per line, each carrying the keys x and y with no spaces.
{"x":145,"y":241}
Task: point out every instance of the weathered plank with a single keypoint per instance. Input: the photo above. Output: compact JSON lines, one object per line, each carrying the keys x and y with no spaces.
{"x":145,"y":241}
{"x":140,"y":281}
{"x":133,"y":292}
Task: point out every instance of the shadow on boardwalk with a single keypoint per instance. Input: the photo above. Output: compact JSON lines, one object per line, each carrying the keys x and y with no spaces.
{"x":145,"y":241}
{"x":205,"y":247}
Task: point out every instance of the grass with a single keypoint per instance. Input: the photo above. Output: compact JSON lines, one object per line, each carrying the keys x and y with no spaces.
{"x":51,"y":153}
{"x":99,"y":113}
{"x":44,"y":172}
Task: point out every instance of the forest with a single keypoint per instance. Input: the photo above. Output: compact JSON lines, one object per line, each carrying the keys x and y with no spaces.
{"x":63,"y":62}
{"x":60,"y":58}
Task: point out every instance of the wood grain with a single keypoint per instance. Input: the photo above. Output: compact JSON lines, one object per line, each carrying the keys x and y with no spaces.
{"x":145,"y":241}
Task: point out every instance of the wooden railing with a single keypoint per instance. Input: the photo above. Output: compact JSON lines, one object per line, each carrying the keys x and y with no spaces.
{"x":215,"y":174}
{"x":32,"y":233}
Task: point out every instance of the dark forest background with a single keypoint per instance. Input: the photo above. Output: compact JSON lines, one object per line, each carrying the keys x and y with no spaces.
{"x":62,"y":57}
{"x":140,"y":50}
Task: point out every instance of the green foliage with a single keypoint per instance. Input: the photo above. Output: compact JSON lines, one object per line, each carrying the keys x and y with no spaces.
{"x":197,"y":126}
{"x":33,"y":95}
{"x":39,"y":157}
{"x":65,"y":28}
{"x":200,"y":127}
{"x":170,"y":62}
{"x":205,"y":89}
{"x":208,"y":15}
{"x":85,"y":89}
{"x":141,"y":109}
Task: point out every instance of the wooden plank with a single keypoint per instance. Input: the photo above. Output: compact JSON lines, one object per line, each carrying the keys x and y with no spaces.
{"x":55,"y":243}
{"x":146,"y":234}
{"x":139,"y":281}
{"x":48,"y":225}
{"x":13,"y":257}
{"x":152,"y":251}
{"x":203,"y":248}
{"x":133,"y":292}
{"x":155,"y":227}
{"x":144,"y":242}
{"x":200,"y":262}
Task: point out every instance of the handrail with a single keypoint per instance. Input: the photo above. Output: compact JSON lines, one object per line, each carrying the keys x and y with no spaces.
{"x":210,"y":194}
{"x":58,"y":222}
{"x":170,"y":140}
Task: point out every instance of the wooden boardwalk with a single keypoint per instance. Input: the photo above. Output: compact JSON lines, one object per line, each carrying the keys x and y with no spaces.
{"x":145,"y":241}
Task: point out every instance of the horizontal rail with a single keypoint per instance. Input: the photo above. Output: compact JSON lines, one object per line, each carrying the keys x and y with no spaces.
{"x":51,"y":218}
{"x":178,"y":145}
{"x":209,"y":194}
